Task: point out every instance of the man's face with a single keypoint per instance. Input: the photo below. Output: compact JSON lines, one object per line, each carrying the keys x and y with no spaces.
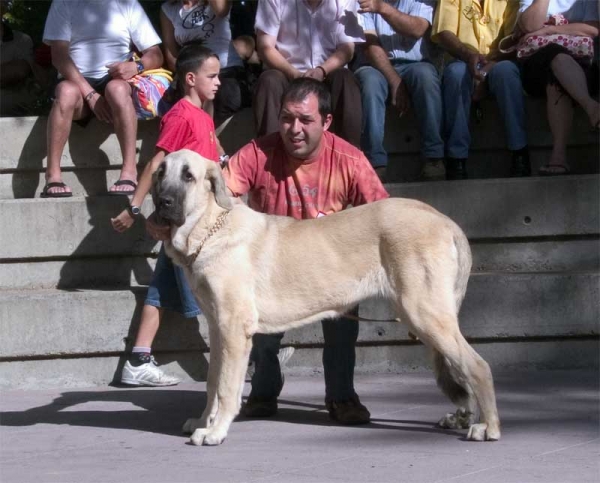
{"x":301,"y":127}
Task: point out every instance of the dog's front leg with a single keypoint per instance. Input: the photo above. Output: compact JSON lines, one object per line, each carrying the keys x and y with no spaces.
{"x":234,"y":351}
{"x":212,"y":402}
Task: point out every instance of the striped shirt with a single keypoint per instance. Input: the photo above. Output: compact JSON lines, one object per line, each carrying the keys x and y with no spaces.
{"x":395,"y":45}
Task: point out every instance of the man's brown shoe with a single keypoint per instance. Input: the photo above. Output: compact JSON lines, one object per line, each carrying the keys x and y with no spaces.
{"x":350,"y":412}
{"x":256,"y":408}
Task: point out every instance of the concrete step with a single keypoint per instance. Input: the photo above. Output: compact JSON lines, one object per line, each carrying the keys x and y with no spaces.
{"x":92,"y":157}
{"x":51,"y":323}
{"x":505,"y":355}
{"x":485,"y":209}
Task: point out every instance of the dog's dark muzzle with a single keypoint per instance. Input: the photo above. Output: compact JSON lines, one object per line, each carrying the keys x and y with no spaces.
{"x":169,"y":207}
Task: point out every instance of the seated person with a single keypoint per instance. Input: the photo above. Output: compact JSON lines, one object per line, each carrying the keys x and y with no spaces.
{"x":91,"y":46}
{"x":469,"y":31}
{"x":398,"y":57}
{"x":312,"y":38}
{"x":207,"y":22}
{"x":553,"y":72}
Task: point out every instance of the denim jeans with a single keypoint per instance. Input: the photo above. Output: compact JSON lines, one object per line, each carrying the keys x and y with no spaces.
{"x":504,"y":83}
{"x":169,"y":288}
{"x":339,"y":358}
{"x":423,"y":83}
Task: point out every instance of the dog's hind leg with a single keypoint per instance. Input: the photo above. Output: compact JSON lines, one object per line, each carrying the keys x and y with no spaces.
{"x":234,"y":350}
{"x":212,"y":402}
{"x":461,"y":373}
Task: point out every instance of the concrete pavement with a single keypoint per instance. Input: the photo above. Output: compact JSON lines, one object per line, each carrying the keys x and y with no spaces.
{"x":108,"y":434}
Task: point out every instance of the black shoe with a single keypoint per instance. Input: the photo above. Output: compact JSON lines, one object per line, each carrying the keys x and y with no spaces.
{"x":520,"y":167}
{"x":349,"y":413}
{"x":260,"y":408}
{"x":456,"y":168}
{"x":433,"y":170}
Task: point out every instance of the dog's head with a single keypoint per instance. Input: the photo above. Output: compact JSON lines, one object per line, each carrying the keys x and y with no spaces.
{"x":185,"y":184}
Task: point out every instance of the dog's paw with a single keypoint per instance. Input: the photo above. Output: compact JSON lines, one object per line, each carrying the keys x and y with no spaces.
{"x":207,"y":437}
{"x":482,"y":432}
{"x":461,"y":419}
{"x":191,"y":425}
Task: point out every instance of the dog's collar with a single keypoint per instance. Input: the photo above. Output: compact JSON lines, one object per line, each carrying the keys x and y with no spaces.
{"x":213,"y":229}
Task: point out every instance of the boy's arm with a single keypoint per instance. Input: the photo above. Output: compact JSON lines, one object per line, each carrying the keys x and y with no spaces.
{"x":125,"y":219}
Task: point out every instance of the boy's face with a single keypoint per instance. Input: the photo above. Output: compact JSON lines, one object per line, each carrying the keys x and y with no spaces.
{"x":206,"y":79}
{"x":301,"y":127}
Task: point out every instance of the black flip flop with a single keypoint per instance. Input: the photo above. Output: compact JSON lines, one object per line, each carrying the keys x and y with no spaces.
{"x":60,"y":194}
{"x":123,"y":182}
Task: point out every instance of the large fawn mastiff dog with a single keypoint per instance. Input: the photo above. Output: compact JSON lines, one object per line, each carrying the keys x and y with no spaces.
{"x":253,"y":272}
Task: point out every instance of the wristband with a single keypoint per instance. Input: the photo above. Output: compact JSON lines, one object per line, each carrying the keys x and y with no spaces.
{"x":89,"y":95}
{"x":322,"y":70}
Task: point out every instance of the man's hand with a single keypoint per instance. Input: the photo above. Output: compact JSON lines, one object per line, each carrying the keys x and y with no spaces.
{"x":476,"y":63}
{"x":123,"y":221}
{"x":370,"y":6}
{"x":156,"y":230}
{"x":100,"y":108}
{"x":122,"y":70}
{"x":400,"y":96}
{"x":316,"y":73}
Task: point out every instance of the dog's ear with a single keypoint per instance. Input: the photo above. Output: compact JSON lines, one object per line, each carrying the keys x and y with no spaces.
{"x":213,"y":174}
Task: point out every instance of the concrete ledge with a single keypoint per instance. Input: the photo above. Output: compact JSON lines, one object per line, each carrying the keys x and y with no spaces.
{"x":52,"y":323}
{"x":192,"y":366}
{"x":561,"y":206}
{"x":93,"y":152}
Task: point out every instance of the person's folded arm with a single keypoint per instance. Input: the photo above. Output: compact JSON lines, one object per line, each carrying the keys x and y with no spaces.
{"x":170,"y":46}
{"x":534,"y":16}
{"x":268,"y":53}
{"x":220,"y":7}
{"x":402,"y":23}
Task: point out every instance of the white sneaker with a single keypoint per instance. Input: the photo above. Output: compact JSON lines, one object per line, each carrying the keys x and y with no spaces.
{"x":284,"y":355}
{"x":146,"y":375}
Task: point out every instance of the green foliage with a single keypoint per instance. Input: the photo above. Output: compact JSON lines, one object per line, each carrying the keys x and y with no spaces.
{"x":29,"y":16}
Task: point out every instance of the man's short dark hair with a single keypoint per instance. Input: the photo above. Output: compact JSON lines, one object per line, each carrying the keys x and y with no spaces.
{"x":300,"y":88}
{"x":190,"y":59}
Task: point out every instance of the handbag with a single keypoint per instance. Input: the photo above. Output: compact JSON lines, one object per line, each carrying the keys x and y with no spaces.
{"x":152,"y":94}
{"x":579,"y":46}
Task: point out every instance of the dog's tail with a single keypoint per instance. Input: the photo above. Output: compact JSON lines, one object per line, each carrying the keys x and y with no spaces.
{"x":448,"y":383}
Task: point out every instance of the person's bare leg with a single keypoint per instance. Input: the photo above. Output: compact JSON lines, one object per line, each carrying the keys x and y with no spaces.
{"x":149,"y":324}
{"x":118,"y":96}
{"x":572,"y":78}
{"x":560,"y":116}
{"x":68,"y":105}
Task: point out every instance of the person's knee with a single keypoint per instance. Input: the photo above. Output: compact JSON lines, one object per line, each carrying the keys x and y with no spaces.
{"x":424,"y":77}
{"x":561,"y":61}
{"x":505,"y":70}
{"x":67,"y":95}
{"x":272,"y":79}
{"x":455,"y":73}
{"x":118,"y":93}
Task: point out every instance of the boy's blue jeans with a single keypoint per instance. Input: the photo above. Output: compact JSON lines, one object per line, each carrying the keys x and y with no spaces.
{"x":169,"y":288}
{"x":423,"y":84}
{"x":339,"y":358}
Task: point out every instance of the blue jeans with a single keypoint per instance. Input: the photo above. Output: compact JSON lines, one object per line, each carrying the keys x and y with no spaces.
{"x":339,"y":358}
{"x":169,"y":288}
{"x":423,"y":83}
{"x":504,"y":83}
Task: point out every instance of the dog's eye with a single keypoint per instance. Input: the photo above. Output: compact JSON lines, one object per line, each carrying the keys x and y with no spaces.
{"x":188,"y":176}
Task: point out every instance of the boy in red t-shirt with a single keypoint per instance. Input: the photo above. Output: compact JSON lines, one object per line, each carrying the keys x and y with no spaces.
{"x":185,"y":126}
{"x":303,"y":171}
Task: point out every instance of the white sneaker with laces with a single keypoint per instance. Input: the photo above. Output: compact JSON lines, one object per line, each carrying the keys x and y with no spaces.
{"x":147,"y":375}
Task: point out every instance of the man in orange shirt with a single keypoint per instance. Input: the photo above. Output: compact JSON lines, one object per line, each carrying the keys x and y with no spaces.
{"x":304,"y":171}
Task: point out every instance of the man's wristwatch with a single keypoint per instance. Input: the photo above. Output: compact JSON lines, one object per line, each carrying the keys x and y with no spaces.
{"x":134,"y":210}
{"x":140,"y":66}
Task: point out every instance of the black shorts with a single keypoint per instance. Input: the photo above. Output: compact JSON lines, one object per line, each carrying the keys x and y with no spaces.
{"x":99,"y":85}
{"x":537,"y":74}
